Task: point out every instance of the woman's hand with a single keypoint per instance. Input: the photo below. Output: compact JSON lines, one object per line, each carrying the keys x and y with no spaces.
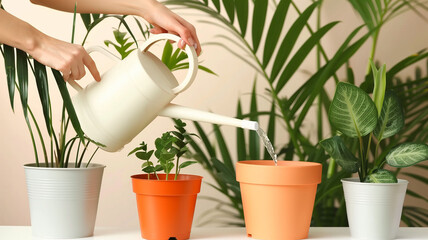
{"x":165,"y":21}
{"x":69,"y":59}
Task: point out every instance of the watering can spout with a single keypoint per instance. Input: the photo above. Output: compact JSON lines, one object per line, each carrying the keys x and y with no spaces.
{"x":181,"y":112}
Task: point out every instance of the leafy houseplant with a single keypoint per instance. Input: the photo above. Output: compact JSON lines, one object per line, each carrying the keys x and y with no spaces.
{"x":166,"y":205}
{"x":374,"y":202}
{"x":171,"y":145}
{"x":63,"y":195}
{"x":355,"y":115}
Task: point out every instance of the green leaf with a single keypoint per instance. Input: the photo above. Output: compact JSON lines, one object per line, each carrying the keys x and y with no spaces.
{"x":223,"y":148}
{"x":275,"y":29}
{"x":391,"y":119}
{"x":86,"y":18}
{"x":407,"y":154}
{"x":352,"y":111}
{"x":43,"y":89}
{"x":229,"y":5}
{"x":379,"y":77}
{"x":22,"y":70}
{"x":271,"y":130}
{"x":241,"y":7}
{"x":254,"y":139}
{"x":259,"y":17}
{"x":166,"y":55}
{"x":144,"y":155}
{"x":381,"y":176}
{"x":301,"y":55}
{"x":187,"y":163}
{"x":68,"y":104}
{"x":9,"y":63}
{"x":290,"y":39}
{"x":336,"y":148}
{"x":217,"y":5}
{"x":240,"y":136}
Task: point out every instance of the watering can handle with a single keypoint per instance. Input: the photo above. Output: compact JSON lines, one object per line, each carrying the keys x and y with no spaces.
{"x":91,"y":49}
{"x":191,"y":53}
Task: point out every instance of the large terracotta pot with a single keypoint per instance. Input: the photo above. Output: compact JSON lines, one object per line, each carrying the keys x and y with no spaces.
{"x":166,"y":207}
{"x":278,"y":200}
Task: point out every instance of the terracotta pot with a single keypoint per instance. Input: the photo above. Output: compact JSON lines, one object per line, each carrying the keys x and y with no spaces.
{"x":166,"y":207}
{"x":374,"y":209}
{"x":278,"y":200}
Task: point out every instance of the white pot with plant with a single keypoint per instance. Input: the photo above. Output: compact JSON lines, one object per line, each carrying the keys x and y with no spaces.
{"x":374,"y":201}
{"x":63,"y":186}
{"x":166,"y":202}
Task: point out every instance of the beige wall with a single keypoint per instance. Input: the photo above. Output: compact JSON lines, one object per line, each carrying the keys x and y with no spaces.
{"x":218,"y":94}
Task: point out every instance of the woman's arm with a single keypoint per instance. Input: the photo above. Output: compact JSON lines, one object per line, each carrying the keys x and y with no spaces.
{"x":154,"y":12}
{"x":68,"y":58}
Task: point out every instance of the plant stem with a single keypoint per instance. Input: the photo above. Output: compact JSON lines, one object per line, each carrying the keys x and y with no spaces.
{"x":362,"y":172}
{"x":331,"y":168}
{"x":177,"y":169}
{"x":366,"y":159}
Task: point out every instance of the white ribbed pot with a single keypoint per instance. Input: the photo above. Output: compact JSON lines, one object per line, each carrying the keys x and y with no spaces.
{"x":374,"y":209}
{"x":63,"y":201}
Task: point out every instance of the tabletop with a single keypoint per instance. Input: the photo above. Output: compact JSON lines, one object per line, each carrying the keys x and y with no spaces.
{"x":105,"y":233}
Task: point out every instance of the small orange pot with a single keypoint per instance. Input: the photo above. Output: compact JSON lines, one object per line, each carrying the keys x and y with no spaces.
{"x":166,"y":207}
{"x":278,"y":200}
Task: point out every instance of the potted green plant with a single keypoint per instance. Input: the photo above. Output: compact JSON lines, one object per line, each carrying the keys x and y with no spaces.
{"x":63,"y":185}
{"x":374,"y":201}
{"x":166,"y":202}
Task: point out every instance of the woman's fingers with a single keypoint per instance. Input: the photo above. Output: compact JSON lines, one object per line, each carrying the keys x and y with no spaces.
{"x":90,"y":64}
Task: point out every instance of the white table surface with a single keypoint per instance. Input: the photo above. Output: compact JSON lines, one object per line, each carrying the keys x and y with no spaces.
{"x":103,"y":233}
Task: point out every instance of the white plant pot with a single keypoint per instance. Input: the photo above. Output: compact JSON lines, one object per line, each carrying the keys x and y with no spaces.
{"x":374,"y":209}
{"x":63,"y":201}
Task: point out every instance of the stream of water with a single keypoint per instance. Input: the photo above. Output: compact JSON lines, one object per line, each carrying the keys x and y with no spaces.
{"x":268,"y":145}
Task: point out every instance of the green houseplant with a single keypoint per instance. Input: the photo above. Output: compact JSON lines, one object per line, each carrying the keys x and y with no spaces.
{"x":166,"y":202}
{"x":274,"y":53}
{"x":63,"y":186}
{"x":375,"y":199}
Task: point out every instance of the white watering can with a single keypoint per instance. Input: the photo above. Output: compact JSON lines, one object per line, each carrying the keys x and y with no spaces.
{"x":133,"y":93}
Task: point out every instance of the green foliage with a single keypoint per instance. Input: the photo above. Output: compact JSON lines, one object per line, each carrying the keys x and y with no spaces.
{"x":337,"y":149}
{"x":352,"y":111}
{"x":123,"y":43}
{"x":17,"y":66}
{"x":354,"y":114}
{"x":169,"y":147}
{"x":291,"y":112}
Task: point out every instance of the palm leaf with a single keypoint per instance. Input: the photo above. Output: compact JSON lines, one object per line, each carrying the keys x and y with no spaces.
{"x":22,"y":70}
{"x":290,"y":39}
{"x":230,"y":9}
{"x":43,"y":89}
{"x":254,"y":139}
{"x":241,"y":7}
{"x":259,"y":17}
{"x":301,"y":55}
{"x":9,"y":63}
{"x":240,"y":136}
{"x":68,"y":104}
{"x":223,"y":148}
{"x":275,"y":29}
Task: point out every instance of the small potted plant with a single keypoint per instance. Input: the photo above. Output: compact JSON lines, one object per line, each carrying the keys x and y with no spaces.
{"x":374,"y":201}
{"x":166,"y":201}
